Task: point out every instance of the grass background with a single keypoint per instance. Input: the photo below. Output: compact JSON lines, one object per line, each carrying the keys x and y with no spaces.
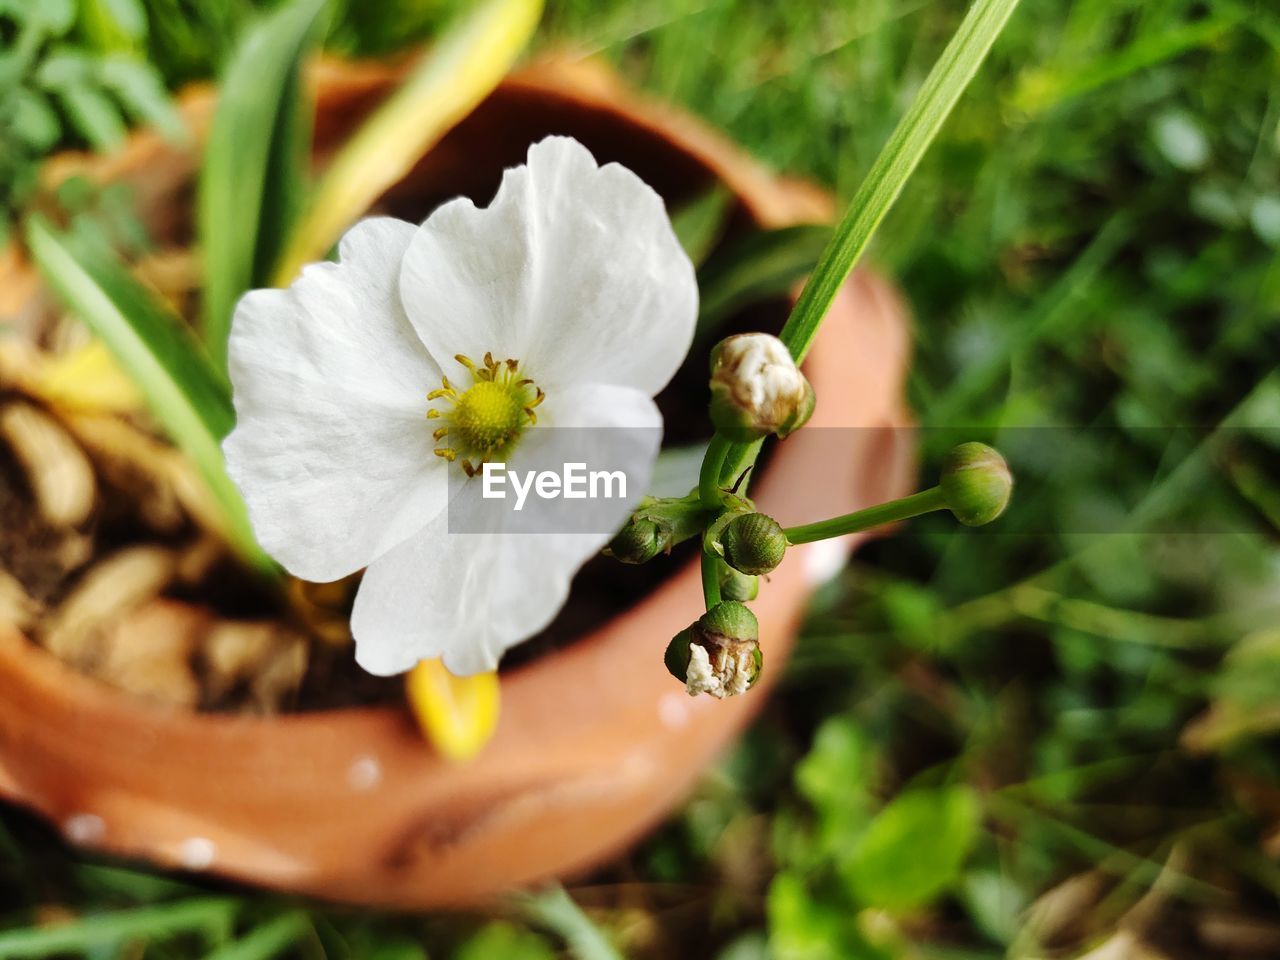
{"x":1048,"y":739}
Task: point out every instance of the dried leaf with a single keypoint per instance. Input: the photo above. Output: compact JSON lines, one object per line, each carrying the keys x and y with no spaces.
{"x":109,"y":590}
{"x":148,"y":652}
{"x":60,"y":476}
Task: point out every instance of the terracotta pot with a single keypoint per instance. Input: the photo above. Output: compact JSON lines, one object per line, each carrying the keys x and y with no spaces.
{"x":596,"y":742}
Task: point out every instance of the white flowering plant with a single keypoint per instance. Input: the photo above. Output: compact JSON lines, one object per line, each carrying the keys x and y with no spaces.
{"x":346,"y":413}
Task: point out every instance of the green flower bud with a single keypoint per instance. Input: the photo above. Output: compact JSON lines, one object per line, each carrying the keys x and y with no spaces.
{"x":719,"y":654}
{"x":656,"y":526}
{"x":735,"y":585}
{"x":757,"y":389}
{"x":753,"y":543}
{"x":638,"y":542}
{"x":976,"y":483}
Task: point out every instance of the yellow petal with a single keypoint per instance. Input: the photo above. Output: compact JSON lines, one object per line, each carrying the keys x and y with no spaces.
{"x":457,"y":714}
{"x":88,"y":379}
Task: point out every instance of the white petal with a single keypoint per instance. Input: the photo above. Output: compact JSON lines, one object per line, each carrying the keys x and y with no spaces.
{"x":468,"y":597}
{"x":574,"y":270}
{"x":331,"y":449}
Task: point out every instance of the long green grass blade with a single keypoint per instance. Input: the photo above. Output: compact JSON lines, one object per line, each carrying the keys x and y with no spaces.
{"x":255,"y":167}
{"x":267,"y":940}
{"x":554,"y":909}
{"x":185,"y":393}
{"x":455,"y":75}
{"x":210,"y":915}
{"x":895,"y":164}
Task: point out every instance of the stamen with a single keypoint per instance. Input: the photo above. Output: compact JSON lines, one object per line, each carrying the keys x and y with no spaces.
{"x":485,"y":420}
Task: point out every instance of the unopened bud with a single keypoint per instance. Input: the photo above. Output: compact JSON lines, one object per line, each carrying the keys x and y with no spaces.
{"x":976,"y":483}
{"x":753,"y":543}
{"x":638,"y":542}
{"x":757,"y":389}
{"x":657,"y":525}
{"x":719,"y":654}
{"x":735,"y":585}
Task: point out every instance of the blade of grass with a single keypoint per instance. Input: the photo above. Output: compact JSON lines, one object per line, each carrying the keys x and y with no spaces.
{"x":255,"y":164}
{"x":456,"y":74}
{"x":1042,"y":90}
{"x":884,"y":182}
{"x":555,"y":909}
{"x":184,"y":392}
{"x":267,"y":940}
{"x":211,"y":915}
{"x":894,"y":166}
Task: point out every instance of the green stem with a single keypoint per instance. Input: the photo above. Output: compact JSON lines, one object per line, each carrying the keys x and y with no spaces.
{"x":709,"y":475}
{"x":926,"y":501}
{"x":886,"y":178}
{"x":710,"y":580}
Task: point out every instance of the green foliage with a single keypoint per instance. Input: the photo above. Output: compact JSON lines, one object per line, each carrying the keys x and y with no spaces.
{"x":504,"y":941}
{"x":914,"y":849}
{"x":189,"y":397}
{"x":69,"y":77}
{"x":254,"y":174}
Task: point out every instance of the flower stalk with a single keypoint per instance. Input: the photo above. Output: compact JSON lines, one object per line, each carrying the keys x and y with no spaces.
{"x":926,"y":501}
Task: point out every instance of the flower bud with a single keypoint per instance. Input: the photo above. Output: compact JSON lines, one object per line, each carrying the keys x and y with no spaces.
{"x":753,"y":543}
{"x":757,"y":389}
{"x":719,"y":654}
{"x":657,"y":525}
{"x":976,"y":483}
{"x":735,"y":585}
{"x":638,"y":542}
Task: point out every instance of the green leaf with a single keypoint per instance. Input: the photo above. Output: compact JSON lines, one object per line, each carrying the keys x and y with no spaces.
{"x":112,"y":25}
{"x":62,"y":67}
{"x":758,"y":267}
{"x":255,"y":163}
{"x":141,"y":89}
{"x":805,"y":926}
{"x":56,"y":16}
{"x":209,"y":915}
{"x":184,"y":392}
{"x":894,"y":166}
{"x":34,"y":120}
{"x":267,"y":940}
{"x":500,"y":940}
{"x":701,"y":222}
{"x":914,"y":849}
{"x":554,"y":909}
{"x":456,"y":74}
{"x":94,"y":115}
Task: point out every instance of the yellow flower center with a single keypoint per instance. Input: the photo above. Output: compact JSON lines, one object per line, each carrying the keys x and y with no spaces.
{"x":483,"y":422}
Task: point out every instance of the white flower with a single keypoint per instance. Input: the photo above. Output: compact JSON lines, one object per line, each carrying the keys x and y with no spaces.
{"x":356,"y":400}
